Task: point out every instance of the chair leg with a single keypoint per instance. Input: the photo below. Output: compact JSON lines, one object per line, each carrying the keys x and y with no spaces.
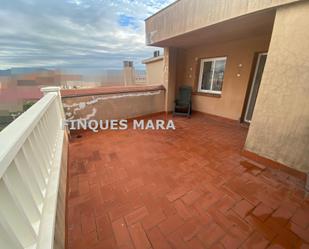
{"x":189,"y":111}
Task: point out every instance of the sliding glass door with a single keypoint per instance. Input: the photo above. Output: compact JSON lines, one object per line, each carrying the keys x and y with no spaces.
{"x":255,"y":86}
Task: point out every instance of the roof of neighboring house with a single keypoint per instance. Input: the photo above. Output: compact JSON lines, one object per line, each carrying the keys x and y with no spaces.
{"x":108,"y":90}
{"x":26,"y":82}
{"x":153,"y":59}
{"x":14,"y":94}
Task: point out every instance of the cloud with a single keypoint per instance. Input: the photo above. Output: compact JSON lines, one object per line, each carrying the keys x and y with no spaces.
{"x":74,"y":33}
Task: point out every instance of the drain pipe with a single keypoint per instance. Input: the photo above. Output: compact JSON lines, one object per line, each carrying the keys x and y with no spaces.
{"x":307,"y":182}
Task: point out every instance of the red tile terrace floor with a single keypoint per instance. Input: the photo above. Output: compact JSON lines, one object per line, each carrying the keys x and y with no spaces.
{"x":188,"y":188}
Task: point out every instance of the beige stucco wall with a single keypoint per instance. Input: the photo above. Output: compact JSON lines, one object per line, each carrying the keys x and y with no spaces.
{"x":231,"y":102}
{"x":186,"y":15}
{"x":280,"y":125}
{"x":114,"y":106}
{"x":154,"y":72}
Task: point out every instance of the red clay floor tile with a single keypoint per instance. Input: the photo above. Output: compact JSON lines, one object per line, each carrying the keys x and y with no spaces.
{"x":210,"y":235}
{"x":171,"y":224}
{"x":262,"y":212}
{"x":301,"y":218}
{"x":255,"y":241}
{"x":184,"y":189}
{"x":153,"y":219}
{"x":139,"y":237}
{"x":136,"y":215}
{"x":158,"y":241}
{"x":121,"y":233}
{"x":242,"y":208}
{"x":190,"y":197}
{"x":183,"y":211}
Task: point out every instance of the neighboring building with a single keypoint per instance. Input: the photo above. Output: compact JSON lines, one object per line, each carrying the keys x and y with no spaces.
{"x":128,"y":73}
{"x":140,"y":77}
{"x":13,"y":99}
{"x":81,"y":84}
{"x":4,"y":82}
{"x":21,"y":85}
{"x":246,"y":60}
{"x":154,"y":69}
{"x":111,"y":77}
{"x":66,"y":79}
{"x":35,"y":77}
{"x":48,"y":78}
{"x":131,"y":76}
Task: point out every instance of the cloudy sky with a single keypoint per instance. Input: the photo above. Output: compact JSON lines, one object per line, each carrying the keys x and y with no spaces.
{"x":74,"y":34}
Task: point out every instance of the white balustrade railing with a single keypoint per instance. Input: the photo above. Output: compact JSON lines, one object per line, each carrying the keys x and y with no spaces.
{"x":30,"y":161}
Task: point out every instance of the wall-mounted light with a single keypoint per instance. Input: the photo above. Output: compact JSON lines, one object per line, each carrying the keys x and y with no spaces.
{"x":190,"y":73}
{"x":239,"y":67}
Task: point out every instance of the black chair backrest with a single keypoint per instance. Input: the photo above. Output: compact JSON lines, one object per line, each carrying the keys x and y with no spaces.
{"x":185,"y":93}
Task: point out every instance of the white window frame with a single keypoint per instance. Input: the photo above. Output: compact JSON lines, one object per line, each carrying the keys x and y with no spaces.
{"x":214,"y":59}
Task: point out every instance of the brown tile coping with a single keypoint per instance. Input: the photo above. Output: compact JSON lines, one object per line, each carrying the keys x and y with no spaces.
{"x":207,"y":94}
{"x":273,"y":164}
{"x":68,"y":93}
{"x":220,"y":118}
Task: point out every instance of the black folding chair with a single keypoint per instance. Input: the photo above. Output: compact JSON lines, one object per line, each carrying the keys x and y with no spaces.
{"x":183,"y":102}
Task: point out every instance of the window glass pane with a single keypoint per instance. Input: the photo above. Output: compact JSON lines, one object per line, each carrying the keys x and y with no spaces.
{"x":207,"y":75}
{"x":218,"y":75}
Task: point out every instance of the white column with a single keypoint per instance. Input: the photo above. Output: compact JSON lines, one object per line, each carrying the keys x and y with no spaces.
{"x":169,"y":77}
{"x":55,"y":89}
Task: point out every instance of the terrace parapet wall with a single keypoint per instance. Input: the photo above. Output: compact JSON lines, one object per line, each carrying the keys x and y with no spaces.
{"x":113,"y":103}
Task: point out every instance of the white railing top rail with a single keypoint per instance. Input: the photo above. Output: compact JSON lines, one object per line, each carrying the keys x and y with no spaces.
{"x":15,"y":134}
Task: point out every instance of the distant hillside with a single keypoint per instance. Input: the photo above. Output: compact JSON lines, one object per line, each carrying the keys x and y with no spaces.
{"x":5,"y":72}
{"x":22,"y":70}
